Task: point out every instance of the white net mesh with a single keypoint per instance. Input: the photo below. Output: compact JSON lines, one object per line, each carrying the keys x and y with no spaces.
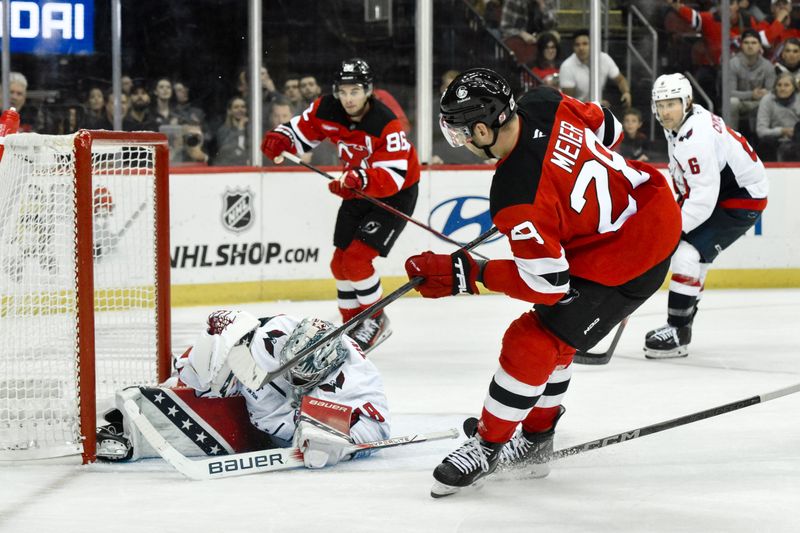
{"x":39,"y":391}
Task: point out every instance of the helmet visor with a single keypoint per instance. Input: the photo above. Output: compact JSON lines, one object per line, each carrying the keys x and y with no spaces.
{"x":455,"y":135}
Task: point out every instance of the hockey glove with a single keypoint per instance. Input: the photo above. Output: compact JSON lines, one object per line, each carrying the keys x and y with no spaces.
{"x":336,"y":187}
{"x":445,"y":275}
{"x":320,"y":447}
{"x":274,"y":144}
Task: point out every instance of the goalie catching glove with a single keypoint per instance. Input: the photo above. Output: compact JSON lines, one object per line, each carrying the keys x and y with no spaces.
{"x":445,"y":275}
{"x":274,"y":144}
{"x":206,"y":367}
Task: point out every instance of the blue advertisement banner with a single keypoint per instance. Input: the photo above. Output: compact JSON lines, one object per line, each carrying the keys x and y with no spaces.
{"x":51,"y":27}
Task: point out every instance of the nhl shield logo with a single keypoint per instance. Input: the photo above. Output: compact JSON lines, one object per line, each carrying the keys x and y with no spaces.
{"x":237,"y":210}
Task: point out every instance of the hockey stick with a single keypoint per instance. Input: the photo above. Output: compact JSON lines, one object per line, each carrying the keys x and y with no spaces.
{"x":592,"y":358}
{"x":131,"y":220}
{"x":254,"y":377}
{"x":675,"y":422}
{"x":364,"y":196}
{"x":242,"y":464}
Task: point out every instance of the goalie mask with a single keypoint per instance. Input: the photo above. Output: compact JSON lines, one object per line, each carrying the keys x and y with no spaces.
{"x":476,"y":95}
{"x":315,"y":366}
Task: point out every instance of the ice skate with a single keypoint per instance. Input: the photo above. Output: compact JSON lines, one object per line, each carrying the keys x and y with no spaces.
{"x":112,"y":445}
{"x":371,"y":332}
{"x":668,"y":342}
{"x":472,"y":461}
{"x":529,"y":453}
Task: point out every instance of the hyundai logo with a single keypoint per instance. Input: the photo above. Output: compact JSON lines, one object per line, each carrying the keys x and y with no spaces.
{"x":462,"y":218}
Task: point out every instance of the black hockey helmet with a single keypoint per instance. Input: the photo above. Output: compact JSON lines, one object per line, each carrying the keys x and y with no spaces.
{"x":354,"y":71}
{"x":475,"y":95}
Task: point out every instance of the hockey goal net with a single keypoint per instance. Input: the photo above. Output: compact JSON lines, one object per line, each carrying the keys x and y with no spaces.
{"x":84,"y":283}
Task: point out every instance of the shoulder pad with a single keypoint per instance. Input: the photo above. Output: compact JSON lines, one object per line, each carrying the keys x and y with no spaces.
{"x":377,"y":118}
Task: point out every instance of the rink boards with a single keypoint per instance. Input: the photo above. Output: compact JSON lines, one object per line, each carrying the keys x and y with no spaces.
{"x":266,"y":234}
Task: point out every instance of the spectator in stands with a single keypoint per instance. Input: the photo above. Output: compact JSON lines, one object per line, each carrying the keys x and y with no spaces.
{"x":233,"y":137}
{"x":193,"y":150}
{"x":574,"y":73}
{"x":309,"y":89}
{"x":291,"y":91}
{"x":281,"y":112}
{"x":789,"y":60}
{"x":548,"y":59}
{"x":183,"y":108}
{"x":94,"y":110}
{"x":30,"y":118}
{"x":751,"y":77}
{"x":126,"y":84}
{"x":269,"y":94}
{"x":163,"y":112}
{"x":124,"y":101}
{"x":709,"y":24}
{"x":778,"y":116}
{"x":780,"y":11}
{"x":139,"y":117}
{"x":526,"y":19}
{"x":635,"y":145}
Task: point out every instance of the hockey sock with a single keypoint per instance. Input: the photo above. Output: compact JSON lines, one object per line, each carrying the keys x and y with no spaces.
{"x":683,"y":293}
{"x":547,"y":408}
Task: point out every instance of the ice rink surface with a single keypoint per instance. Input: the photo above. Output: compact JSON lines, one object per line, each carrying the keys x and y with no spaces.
{"x":738,"y":472}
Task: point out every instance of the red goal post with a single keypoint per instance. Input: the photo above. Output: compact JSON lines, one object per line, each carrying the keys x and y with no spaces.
{"x":84,"y":283}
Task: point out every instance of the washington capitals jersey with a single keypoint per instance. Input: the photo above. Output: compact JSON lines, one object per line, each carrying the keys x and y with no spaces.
{"x":274,"y":408}
{"x":712,"y":164}
{"x":570,"y":206}
{"x":376,"y":144}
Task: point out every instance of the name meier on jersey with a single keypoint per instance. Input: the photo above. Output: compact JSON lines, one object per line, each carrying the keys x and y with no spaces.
{"x":567,"y":147}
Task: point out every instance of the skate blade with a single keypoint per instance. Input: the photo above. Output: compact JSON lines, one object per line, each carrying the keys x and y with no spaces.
{"x":440,"y":490}
{"x":681,"y":351}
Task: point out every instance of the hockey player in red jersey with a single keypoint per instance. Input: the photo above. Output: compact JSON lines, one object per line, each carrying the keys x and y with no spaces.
{"x":591,"y":235}
{"x":722,"y":189}
{"x":378,"y":160}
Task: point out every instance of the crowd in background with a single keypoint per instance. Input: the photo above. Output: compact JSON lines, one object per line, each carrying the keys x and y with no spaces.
{"x":764,"y":67}
{"x":764,"y":81}
{"x":219,"y":137}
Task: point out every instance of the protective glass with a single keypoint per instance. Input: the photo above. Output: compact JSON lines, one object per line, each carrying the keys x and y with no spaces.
{"x":455,"y":135}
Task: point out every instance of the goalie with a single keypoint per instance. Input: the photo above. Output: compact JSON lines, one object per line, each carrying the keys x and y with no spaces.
{"x":333,"y":398}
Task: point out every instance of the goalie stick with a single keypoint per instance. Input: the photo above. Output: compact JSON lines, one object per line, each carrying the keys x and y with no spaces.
{"x":242,"y":464}
{"x":675,"y":422}
{"x":594,"y":358}
{"x":254,"y":377}
{"x":364,"y":196}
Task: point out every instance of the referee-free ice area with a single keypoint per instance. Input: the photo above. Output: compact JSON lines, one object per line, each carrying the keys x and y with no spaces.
{"x":738,"y":472}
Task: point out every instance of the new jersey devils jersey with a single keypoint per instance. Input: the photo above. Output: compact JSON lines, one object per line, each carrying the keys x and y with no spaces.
{"x":357,"y":383}
{"x":712,"y":164}
{"x":377,"y":143}
{"x":569,"y":205}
